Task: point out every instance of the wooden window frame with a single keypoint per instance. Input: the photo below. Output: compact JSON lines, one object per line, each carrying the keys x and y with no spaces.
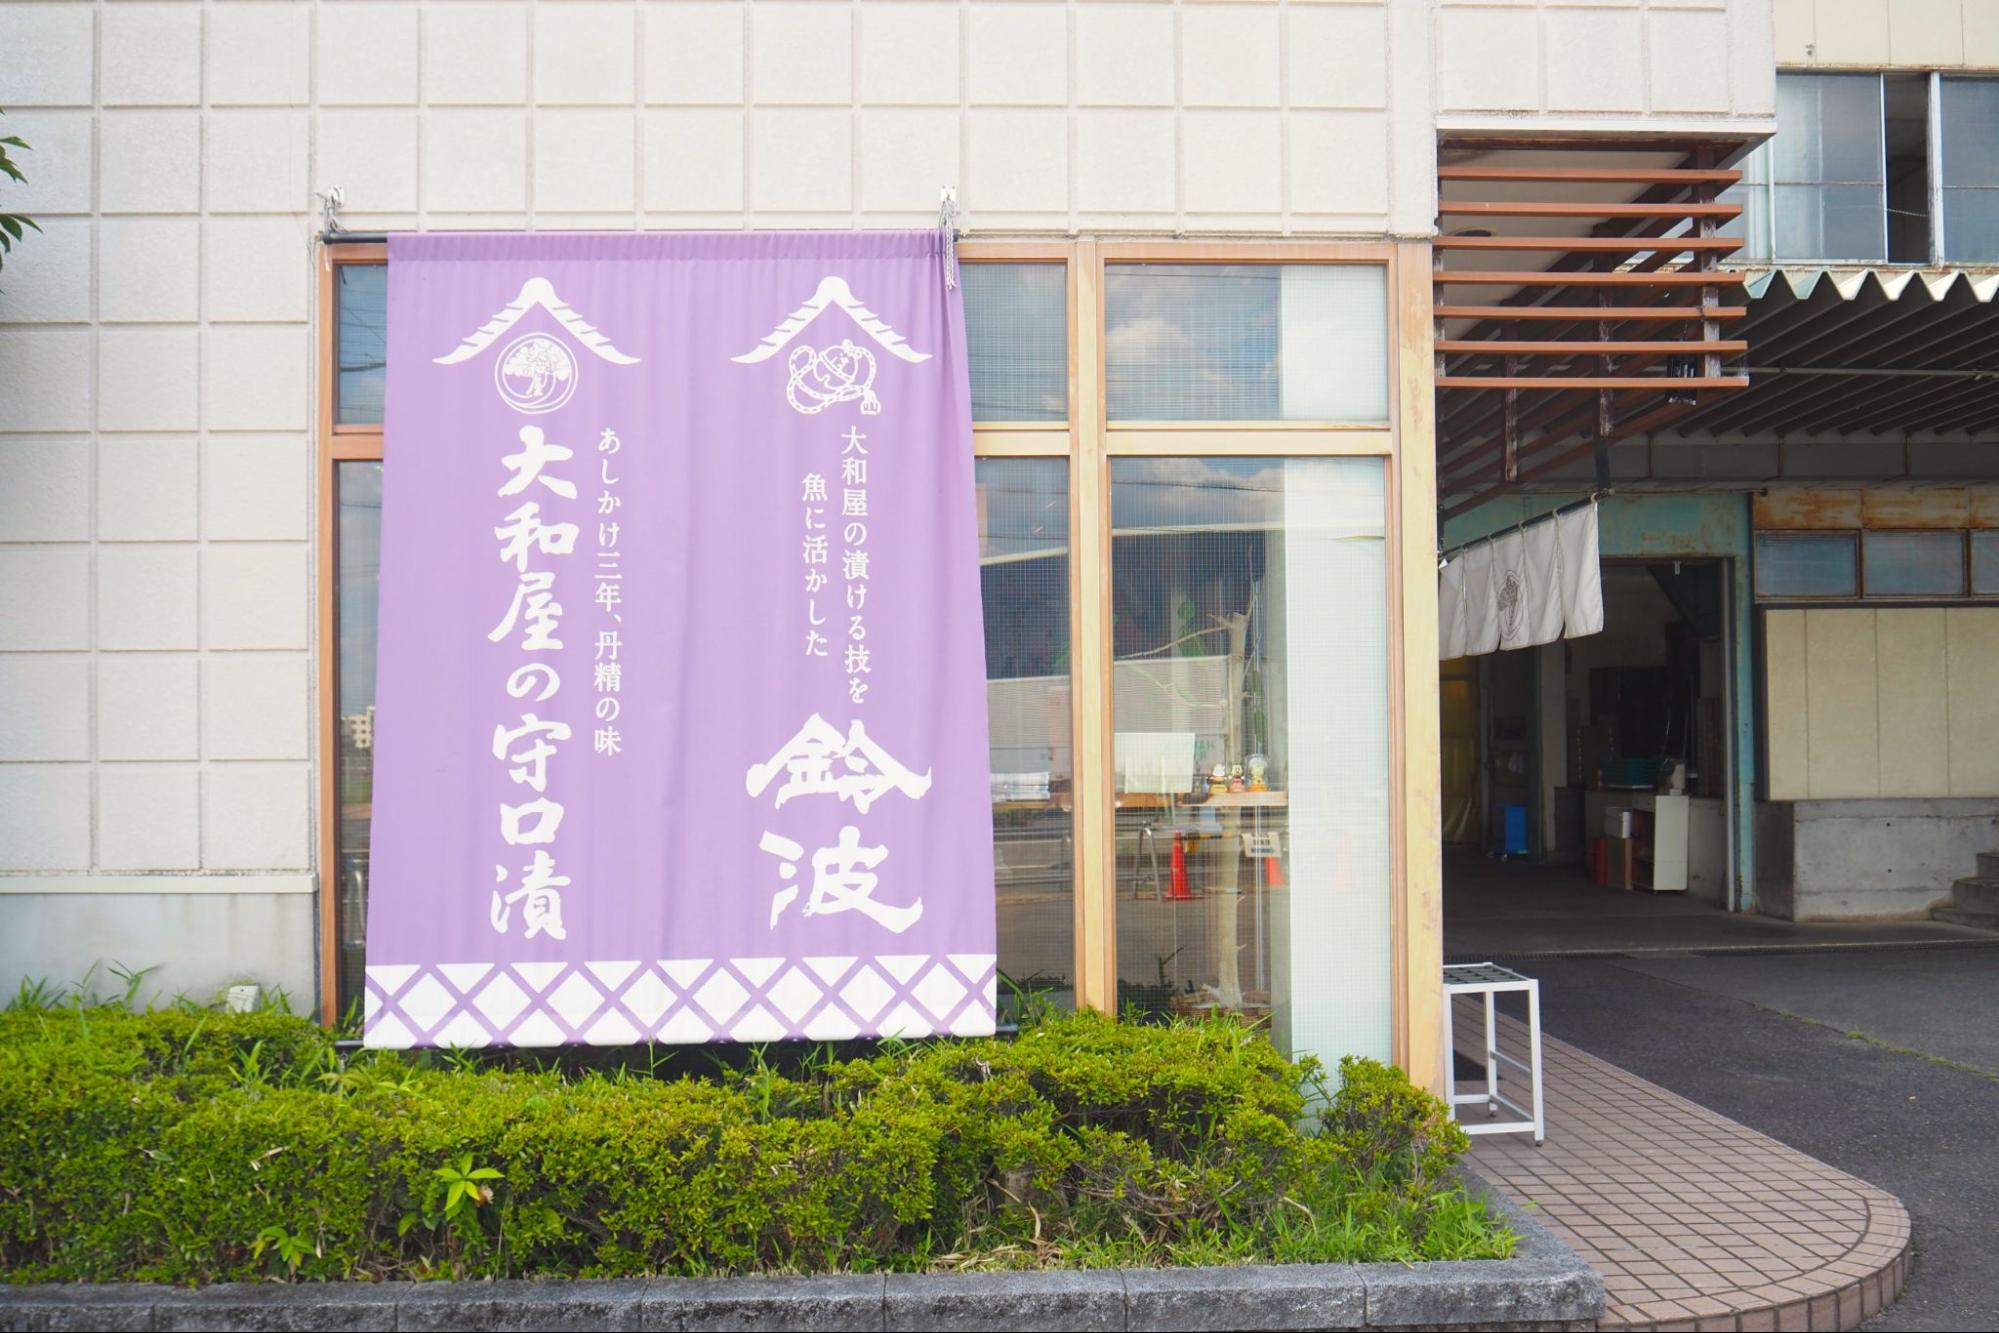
{"x":1089,"y":441}
{"x":337,"y":444}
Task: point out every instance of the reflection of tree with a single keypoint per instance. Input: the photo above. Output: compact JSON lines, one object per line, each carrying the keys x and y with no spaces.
{"x":537,"y":360}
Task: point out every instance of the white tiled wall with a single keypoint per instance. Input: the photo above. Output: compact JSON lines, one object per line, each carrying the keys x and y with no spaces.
{"x":1882,"y":34}
{"x":156,"y":346}
{"x":1604,"y":63}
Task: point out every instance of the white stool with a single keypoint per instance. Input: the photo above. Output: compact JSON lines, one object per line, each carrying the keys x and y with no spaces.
{"x":1488,"y":979}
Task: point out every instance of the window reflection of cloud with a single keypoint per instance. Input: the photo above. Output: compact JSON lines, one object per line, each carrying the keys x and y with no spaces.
{"x":1192,"y":342}
{"x":1185,"y":496}
{"x":1192,"y":493}
{"x":1016,"y":334}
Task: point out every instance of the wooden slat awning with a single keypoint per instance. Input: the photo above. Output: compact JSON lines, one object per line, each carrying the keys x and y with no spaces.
{"x":1578,"y":301}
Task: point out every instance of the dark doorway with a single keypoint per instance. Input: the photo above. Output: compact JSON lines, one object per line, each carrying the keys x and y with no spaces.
{"x":1602,"y":770}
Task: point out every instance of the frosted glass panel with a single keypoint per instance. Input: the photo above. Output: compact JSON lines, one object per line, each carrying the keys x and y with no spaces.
{"x":1017,"y":340}
{"x":1828,"y":222}
{"x":1250,"y":704}
{"x":1753,"y":193}
{"x":1914,"y":564}
{"x":1828,"y":128}
{"x":1830,"y":193}
{"x":1806,"y":566}
{"x":1333,"y":358}
{"x":1971,"y":225}
{"x":1970,"y":114}
{"x":1985,"y":563}
{"x":1246,"y":342}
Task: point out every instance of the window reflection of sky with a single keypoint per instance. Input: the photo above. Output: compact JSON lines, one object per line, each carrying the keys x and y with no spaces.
{"x":362,"y":298}
{"x":1017,"y":340}
{"x":1024,"y":575}
{"x":1192,"y":342}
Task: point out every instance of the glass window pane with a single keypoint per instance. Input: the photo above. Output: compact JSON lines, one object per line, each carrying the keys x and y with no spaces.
{"x":1024,"y":577}
{"x":1828,"y":129}
{"x":1806,"y":565}
{"x":1970,"y":115}
{"x":1753,"y":193}
{"x":1246,"y":342}
{"x":1831,"y":222}
{"x":1971,"y":225}
{"x":361,"y":294}
{"x":358,"y":497}
{"x":1985,"y":563}
{"x":1826,"y":161}
{"x":1017,"y":336}
{"x":1252,"y":820}
{"x":1914,"y":564}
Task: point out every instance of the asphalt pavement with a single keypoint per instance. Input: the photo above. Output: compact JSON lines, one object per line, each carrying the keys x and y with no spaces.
{"x":1884,"y":1063}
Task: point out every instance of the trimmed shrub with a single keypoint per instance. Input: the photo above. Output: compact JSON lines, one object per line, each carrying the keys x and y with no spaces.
{"x":188,"y":1146}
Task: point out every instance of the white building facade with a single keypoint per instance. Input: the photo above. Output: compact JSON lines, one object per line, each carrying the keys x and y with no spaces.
{"x":163,"y":667}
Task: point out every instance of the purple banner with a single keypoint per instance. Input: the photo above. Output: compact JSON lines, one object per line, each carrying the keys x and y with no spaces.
{"x":681,"y":709}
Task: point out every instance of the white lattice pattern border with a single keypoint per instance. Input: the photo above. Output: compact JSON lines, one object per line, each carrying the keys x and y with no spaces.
{"x":679,"y":1001}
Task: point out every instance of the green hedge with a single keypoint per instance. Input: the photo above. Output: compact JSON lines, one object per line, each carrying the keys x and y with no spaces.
{"x":193,"y":1147}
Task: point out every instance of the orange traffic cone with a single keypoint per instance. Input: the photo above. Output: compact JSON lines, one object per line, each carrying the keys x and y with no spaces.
{"x":1177,"y":891}
{"x":1273,"y":871}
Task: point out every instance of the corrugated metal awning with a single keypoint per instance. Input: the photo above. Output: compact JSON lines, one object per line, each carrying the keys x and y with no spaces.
{"x":1838,"y":352}
{"x":1847,"y":283}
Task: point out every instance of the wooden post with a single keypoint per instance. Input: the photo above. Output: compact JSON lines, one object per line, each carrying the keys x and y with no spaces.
{"x":1416,"y":820}
{"x":1090,"y":623}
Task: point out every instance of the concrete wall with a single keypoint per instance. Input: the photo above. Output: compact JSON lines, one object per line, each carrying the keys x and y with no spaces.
{"x":201,"y":934}
{"x":1827,"y":860}
{"x":1881,"y":34}
{"x":1665,"y":527}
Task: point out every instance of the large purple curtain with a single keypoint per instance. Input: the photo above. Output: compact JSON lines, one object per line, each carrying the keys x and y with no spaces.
{"x":681,"y":722}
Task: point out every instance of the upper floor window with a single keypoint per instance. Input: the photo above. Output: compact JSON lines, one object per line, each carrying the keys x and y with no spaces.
{"x":1969,"y":110}
{"x":1245,"y":342}
{"x":361,"y":295}
{"x":1017,"y":340}
{"x":1016,"y":328}
{"x":1873,"y":168}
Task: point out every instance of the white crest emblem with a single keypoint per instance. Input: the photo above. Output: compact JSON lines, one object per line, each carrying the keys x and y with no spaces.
{"x":817,"y":379}
{"x":844,"y":371}
{"x":536,"y":372}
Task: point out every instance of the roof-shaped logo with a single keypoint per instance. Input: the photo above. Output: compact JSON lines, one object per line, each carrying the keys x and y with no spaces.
{"x":536,"y":292}
{"x":833,"y":293}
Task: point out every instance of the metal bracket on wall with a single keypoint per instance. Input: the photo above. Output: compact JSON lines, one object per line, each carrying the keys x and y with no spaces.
{"x":330,"y":200}
{"x":947,"y":222}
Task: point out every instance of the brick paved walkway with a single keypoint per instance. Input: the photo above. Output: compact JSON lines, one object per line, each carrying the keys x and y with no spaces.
{"x":1694,"y":1221}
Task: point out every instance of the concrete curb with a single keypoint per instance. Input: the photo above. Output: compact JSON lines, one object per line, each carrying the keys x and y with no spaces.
{"x":1543,"y":1286}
